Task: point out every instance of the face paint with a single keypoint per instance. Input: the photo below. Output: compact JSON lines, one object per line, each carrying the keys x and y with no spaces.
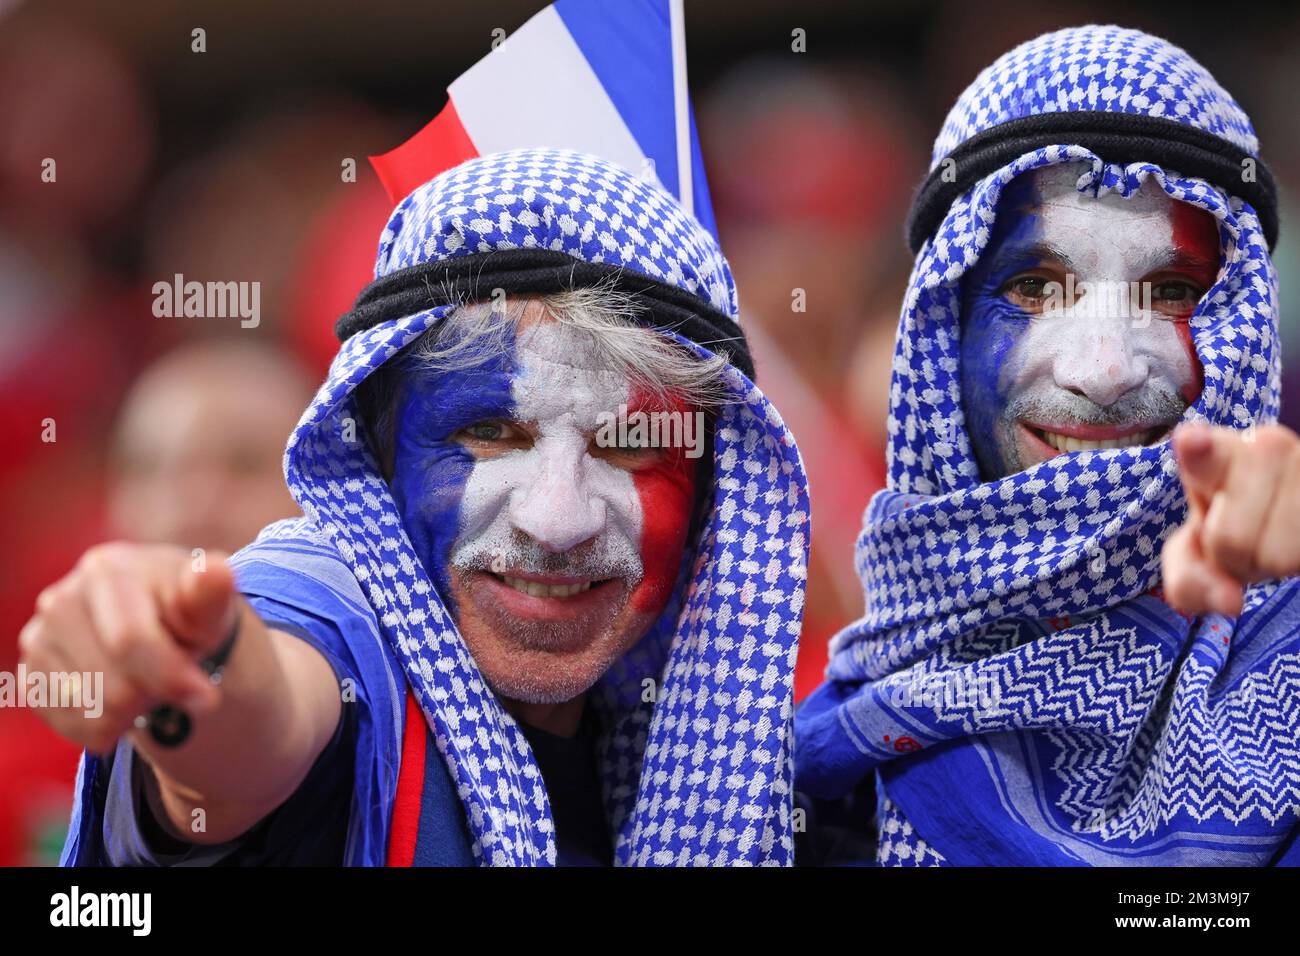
{"x":430,"y":467}
{"x":556,"y":553}
{"x":1075,"y":321}
{"x":561,"y":497}
{"x":666,"y":491}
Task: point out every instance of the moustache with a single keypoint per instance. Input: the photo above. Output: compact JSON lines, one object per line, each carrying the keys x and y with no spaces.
{"x":1155,"y":404}
{"x":604,"y":558}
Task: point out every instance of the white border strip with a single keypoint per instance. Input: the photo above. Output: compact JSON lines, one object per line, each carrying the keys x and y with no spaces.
{"x":682,"y":106}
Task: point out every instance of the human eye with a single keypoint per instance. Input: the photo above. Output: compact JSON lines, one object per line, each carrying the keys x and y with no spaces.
{"x":629,"y":453}
{"x":635,"y":443}
{"x":493,"y":436}
{"x":1175,"y":296}
{"x":1029,"y":290}
{"x":487,"y":431}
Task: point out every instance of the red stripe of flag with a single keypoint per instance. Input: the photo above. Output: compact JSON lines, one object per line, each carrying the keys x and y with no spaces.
{"x":442,"y":144}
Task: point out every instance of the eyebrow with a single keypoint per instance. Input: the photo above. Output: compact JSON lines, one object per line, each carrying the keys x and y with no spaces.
{"x":1038,"y":251}
{"x":1183,"y":259}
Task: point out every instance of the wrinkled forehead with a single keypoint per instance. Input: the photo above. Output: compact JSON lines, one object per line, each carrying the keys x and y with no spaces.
{"x":543,"y":339}
{"x":1045,"y":209}
{"x":1057,"y":187}
{"x":561,"y":372}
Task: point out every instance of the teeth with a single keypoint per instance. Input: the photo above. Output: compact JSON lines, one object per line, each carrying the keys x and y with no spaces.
{"x":1070,"y":443}
{"x":537,"y":589}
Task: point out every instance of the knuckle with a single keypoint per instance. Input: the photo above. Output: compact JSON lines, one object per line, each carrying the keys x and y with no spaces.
{"x":120,"y":643}
{"x":1171,"y":578}
{"x":1173,"y":544}
{"x":173,"y":683}
{"x":1272,"y":440}
{"x":94,"y":561}
{"x":1273,"y":562}
{"x":1227,"y":543}
{"x":120,"y":700}
{"x":31,"y":637}
{"x":1170,"y":564}
{"x":55,"y":595}
{"x":1173,"y":552}
{"x":46,"y":600}
{"x":106,"y":558}
{"x":1177,"y":589}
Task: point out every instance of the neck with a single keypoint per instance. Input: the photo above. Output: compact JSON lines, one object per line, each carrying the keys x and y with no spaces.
{"x":560,"y":719}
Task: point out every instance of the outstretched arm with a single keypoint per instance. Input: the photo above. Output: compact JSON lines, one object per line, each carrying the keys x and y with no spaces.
{"x":143,"y":617}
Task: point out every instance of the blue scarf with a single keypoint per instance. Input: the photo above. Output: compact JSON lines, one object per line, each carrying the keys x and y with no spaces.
{"x":1016,"y":683}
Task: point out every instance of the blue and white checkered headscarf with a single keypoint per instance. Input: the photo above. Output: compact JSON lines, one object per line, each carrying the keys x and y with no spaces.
{"x":703,"y":775}
{"x":1017,"y":683}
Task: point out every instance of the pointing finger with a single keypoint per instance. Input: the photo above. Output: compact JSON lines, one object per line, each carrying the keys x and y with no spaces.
{"x":1204,"y":455}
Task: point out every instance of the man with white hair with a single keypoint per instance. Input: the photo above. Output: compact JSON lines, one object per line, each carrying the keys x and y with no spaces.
{"x":544,"y":602}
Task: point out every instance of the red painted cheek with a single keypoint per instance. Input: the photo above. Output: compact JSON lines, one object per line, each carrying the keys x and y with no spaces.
{"x":1196,"y":233}
{"x":667,"y":492}
{"x":1192,"y":390}
{"x":666,"y":495}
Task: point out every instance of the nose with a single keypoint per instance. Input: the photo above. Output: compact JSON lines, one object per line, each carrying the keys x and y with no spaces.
{"x":1103,"y":368}
{"x":560,"y":509}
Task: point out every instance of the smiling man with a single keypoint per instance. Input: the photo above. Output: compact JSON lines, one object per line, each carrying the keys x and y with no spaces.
{"x":536,"y":531}
{"x":1081,"y":643}
{"x":495,"y":637}
{"x":1076,"y":320}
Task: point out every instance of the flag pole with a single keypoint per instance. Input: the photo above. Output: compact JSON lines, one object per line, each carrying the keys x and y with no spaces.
{"x":681,"y":105}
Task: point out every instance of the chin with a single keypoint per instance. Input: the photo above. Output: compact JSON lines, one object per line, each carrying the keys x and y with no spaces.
{"x":544,"y":642}
{"x":541,"y":682}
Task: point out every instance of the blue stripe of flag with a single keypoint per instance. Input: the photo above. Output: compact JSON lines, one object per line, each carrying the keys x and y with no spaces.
{"x":629,"y":47}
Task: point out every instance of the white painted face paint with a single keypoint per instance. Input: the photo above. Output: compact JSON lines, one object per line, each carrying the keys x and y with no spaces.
{"x":1102,"y":351}
{"x":1097,"y":367}
{"x":528,"y":505}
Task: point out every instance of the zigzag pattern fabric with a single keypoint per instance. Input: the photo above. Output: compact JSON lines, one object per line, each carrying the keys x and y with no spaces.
{"x":1017,"y":683}
{"x":698,"y":771}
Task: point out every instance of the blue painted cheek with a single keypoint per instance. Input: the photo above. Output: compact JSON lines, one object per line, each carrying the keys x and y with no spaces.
{"x":428,"y":485}
{"x":991,"y":329}
{"x":430,"y":470}
{"x":991,"y":325}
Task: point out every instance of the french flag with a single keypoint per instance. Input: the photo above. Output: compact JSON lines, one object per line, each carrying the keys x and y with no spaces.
{"x":607,"y":78}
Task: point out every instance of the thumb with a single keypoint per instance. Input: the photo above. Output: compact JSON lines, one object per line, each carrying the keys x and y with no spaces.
{"x":1204,"y":455}
{"x":204,"y":606}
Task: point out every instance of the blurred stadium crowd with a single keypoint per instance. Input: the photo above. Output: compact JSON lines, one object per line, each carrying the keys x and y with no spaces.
{"x":226,"y":166}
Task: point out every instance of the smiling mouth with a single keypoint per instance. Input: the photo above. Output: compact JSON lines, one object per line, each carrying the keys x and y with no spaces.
{"x":548,"y":589}
{"x":546,"y":612}
{"x":515,"y":597}
{"x":1095,"y":438}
